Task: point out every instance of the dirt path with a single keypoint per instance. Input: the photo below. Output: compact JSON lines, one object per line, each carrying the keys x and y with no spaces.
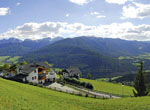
{"x":60,"y":87}
{"x":76,"y":90}
{"x":96,"y":93}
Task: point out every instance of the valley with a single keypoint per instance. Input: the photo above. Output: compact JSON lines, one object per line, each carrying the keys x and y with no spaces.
{"x":103,"y":65}
{"x":74,"y":54}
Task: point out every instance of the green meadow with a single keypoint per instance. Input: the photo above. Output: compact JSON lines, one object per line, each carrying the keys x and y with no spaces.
{"x":8,"y":59}
{"x":4,"y":58}
{"x":18,"y":96}
{"x":110,"y":87}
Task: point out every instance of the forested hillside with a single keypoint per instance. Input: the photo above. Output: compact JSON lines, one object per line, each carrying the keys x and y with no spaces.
{"x":107,"y":46}
{"x":82,"y":53}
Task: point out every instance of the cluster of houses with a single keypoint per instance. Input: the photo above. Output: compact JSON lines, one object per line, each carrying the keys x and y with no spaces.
{"x":39,"y":73}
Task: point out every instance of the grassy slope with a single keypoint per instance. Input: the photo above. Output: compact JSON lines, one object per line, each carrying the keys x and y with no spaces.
{"x":17,"y":96}
{"x":13,"y":59}
{"x":110,"y":87}
{"x":8,"y":59}
{"x":107,"y":79}
{"x":3,"y":58}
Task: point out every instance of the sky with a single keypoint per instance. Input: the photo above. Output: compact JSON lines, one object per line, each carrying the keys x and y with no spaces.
{"x":36,"y":19}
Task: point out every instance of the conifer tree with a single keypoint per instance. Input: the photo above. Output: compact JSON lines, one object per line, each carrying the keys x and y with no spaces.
{"x":140,"y":82}
{"x":89,"y":76}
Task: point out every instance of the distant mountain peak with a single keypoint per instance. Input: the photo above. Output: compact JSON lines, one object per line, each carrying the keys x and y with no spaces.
{"x":10,"y":40}
{"x":16,"y":40}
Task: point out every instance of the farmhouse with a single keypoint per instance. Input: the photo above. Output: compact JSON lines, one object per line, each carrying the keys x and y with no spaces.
{"x":71,"y":72}
{"x":36,"y":72}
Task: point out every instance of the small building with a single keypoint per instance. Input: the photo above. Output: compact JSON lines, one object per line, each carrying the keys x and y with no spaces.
{"x":1,"y":74}
{"x":36,"y":72}
{"x":72,"y":72}
{"x":6,"y":74}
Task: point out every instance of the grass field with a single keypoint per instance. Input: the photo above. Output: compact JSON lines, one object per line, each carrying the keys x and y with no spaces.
{"x":4,"y":58}
{"x":8,"y":59}
{"x":13,"y":59}
{"x":110,"y":87}
{"x":17,"y":96}
{"x":136,"y":59}
{"x":107,"y":79}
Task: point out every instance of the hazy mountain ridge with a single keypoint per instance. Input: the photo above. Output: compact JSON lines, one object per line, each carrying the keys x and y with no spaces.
{"x":12,"y":46}
{"x":108,"y":46}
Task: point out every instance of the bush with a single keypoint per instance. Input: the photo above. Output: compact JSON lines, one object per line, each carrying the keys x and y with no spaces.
{"x":79,"y":94}
{"x":26,"y":82}
{"x":86,"y":95}
{"x":31,"y":83}
{"x":39,"y":85}
{"x":82,"y":84}
{"x":89,"y":86}
{"x":35,"y":84}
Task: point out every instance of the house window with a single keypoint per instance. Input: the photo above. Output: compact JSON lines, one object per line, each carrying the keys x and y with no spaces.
{"x":32,"y":78}
{"x":35,"y":77}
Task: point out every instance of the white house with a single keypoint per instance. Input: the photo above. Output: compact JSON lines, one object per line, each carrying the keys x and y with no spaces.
{"x":36,"y":72}
{"x":51,"y":76}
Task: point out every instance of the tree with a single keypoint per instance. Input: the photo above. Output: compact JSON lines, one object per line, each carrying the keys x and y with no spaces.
{"x":140,"y":82}
{"x":61,"y":78}
{"x":14,"y":67}
{"x":89,"y":76}
{"x":1,"y":68}
{"x":46,"y":62}
{"x":6,"y":66}
{"x":23,"y":63}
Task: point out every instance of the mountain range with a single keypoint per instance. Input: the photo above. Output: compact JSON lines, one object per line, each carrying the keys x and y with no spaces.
{"x":16,"y":47}
{"x":94,"y":55}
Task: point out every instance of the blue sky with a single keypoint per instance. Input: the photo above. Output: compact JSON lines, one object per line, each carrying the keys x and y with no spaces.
{"x":35,"y":19}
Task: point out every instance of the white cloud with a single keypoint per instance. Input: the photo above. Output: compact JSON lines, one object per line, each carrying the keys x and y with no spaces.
{"x":100,"y":16}
{"x":4,"y":11}
{"x":117,"y":1}
{"x":125,"y":30}
{"x":80,"y":2}
{"x":18,"y":3}
{"x":67,"y":15}
{"x":137,"y":10}
{"x":97,"y":14}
